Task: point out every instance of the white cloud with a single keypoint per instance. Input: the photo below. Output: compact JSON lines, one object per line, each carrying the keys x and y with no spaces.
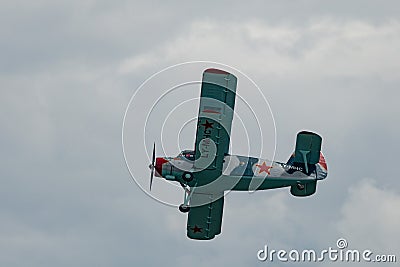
{"x":137,"y":63}
{"x":324,"y":47}
{"x":371,"y":217}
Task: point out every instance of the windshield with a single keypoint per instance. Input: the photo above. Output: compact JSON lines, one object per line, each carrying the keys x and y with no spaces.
{"x":188,"y":154}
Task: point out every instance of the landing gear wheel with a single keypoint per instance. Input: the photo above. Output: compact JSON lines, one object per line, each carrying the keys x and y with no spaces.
{"x":187,"y":176}
{"x":184,"y":208}
{"x":300,"y":186}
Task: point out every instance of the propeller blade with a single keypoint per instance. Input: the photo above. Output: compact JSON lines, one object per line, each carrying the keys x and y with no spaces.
{"x":152,"y":164}
{"x":154,"y":153}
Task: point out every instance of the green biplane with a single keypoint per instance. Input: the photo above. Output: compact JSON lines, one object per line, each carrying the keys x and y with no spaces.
{"x":208,"y":171}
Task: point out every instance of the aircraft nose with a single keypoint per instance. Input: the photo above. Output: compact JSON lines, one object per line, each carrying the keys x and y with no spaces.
{"x":158,"y":167}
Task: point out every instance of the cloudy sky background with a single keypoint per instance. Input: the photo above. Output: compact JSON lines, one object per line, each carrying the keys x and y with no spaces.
{"x":68,"y":70}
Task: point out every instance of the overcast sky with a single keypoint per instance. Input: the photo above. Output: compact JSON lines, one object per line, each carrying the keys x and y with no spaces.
{"x":68,"y":70}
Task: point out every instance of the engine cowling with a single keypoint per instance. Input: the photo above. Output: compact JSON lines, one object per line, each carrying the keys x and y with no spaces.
{"x":304,"y":189}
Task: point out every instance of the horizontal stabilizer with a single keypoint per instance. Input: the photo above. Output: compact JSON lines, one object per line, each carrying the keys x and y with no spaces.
{"x":308,"y":147}
{"x":307,"y":190}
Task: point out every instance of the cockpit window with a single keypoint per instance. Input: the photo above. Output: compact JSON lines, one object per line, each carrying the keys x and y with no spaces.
{"x":188,"y":154}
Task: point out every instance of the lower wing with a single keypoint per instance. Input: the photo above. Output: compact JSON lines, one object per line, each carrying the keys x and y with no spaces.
{"x":205,"y":216}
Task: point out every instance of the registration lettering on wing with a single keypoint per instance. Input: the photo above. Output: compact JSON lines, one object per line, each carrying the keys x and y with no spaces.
{"x":211,"y":110}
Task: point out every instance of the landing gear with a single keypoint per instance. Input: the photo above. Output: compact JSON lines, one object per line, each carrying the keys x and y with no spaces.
{"x":184,"y":208}
{"x":300,"y":186}
{"x":187,"y":176}
{"x":187,"y":196}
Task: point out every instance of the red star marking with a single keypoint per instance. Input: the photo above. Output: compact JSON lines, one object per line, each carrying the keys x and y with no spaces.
{"x":196,"y":229}
{"x":264,"y":168}
{"x":208,"y":124}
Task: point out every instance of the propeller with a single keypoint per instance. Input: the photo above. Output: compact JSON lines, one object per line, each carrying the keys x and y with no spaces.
{"x":152,"y":166}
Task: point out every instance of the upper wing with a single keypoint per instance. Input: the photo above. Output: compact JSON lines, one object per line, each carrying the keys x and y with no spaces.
{"x":217,"y":102}
{"x":204,"y":220}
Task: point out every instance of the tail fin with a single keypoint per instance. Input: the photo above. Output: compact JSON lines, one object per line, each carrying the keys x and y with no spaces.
{"x":321,"y":168}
